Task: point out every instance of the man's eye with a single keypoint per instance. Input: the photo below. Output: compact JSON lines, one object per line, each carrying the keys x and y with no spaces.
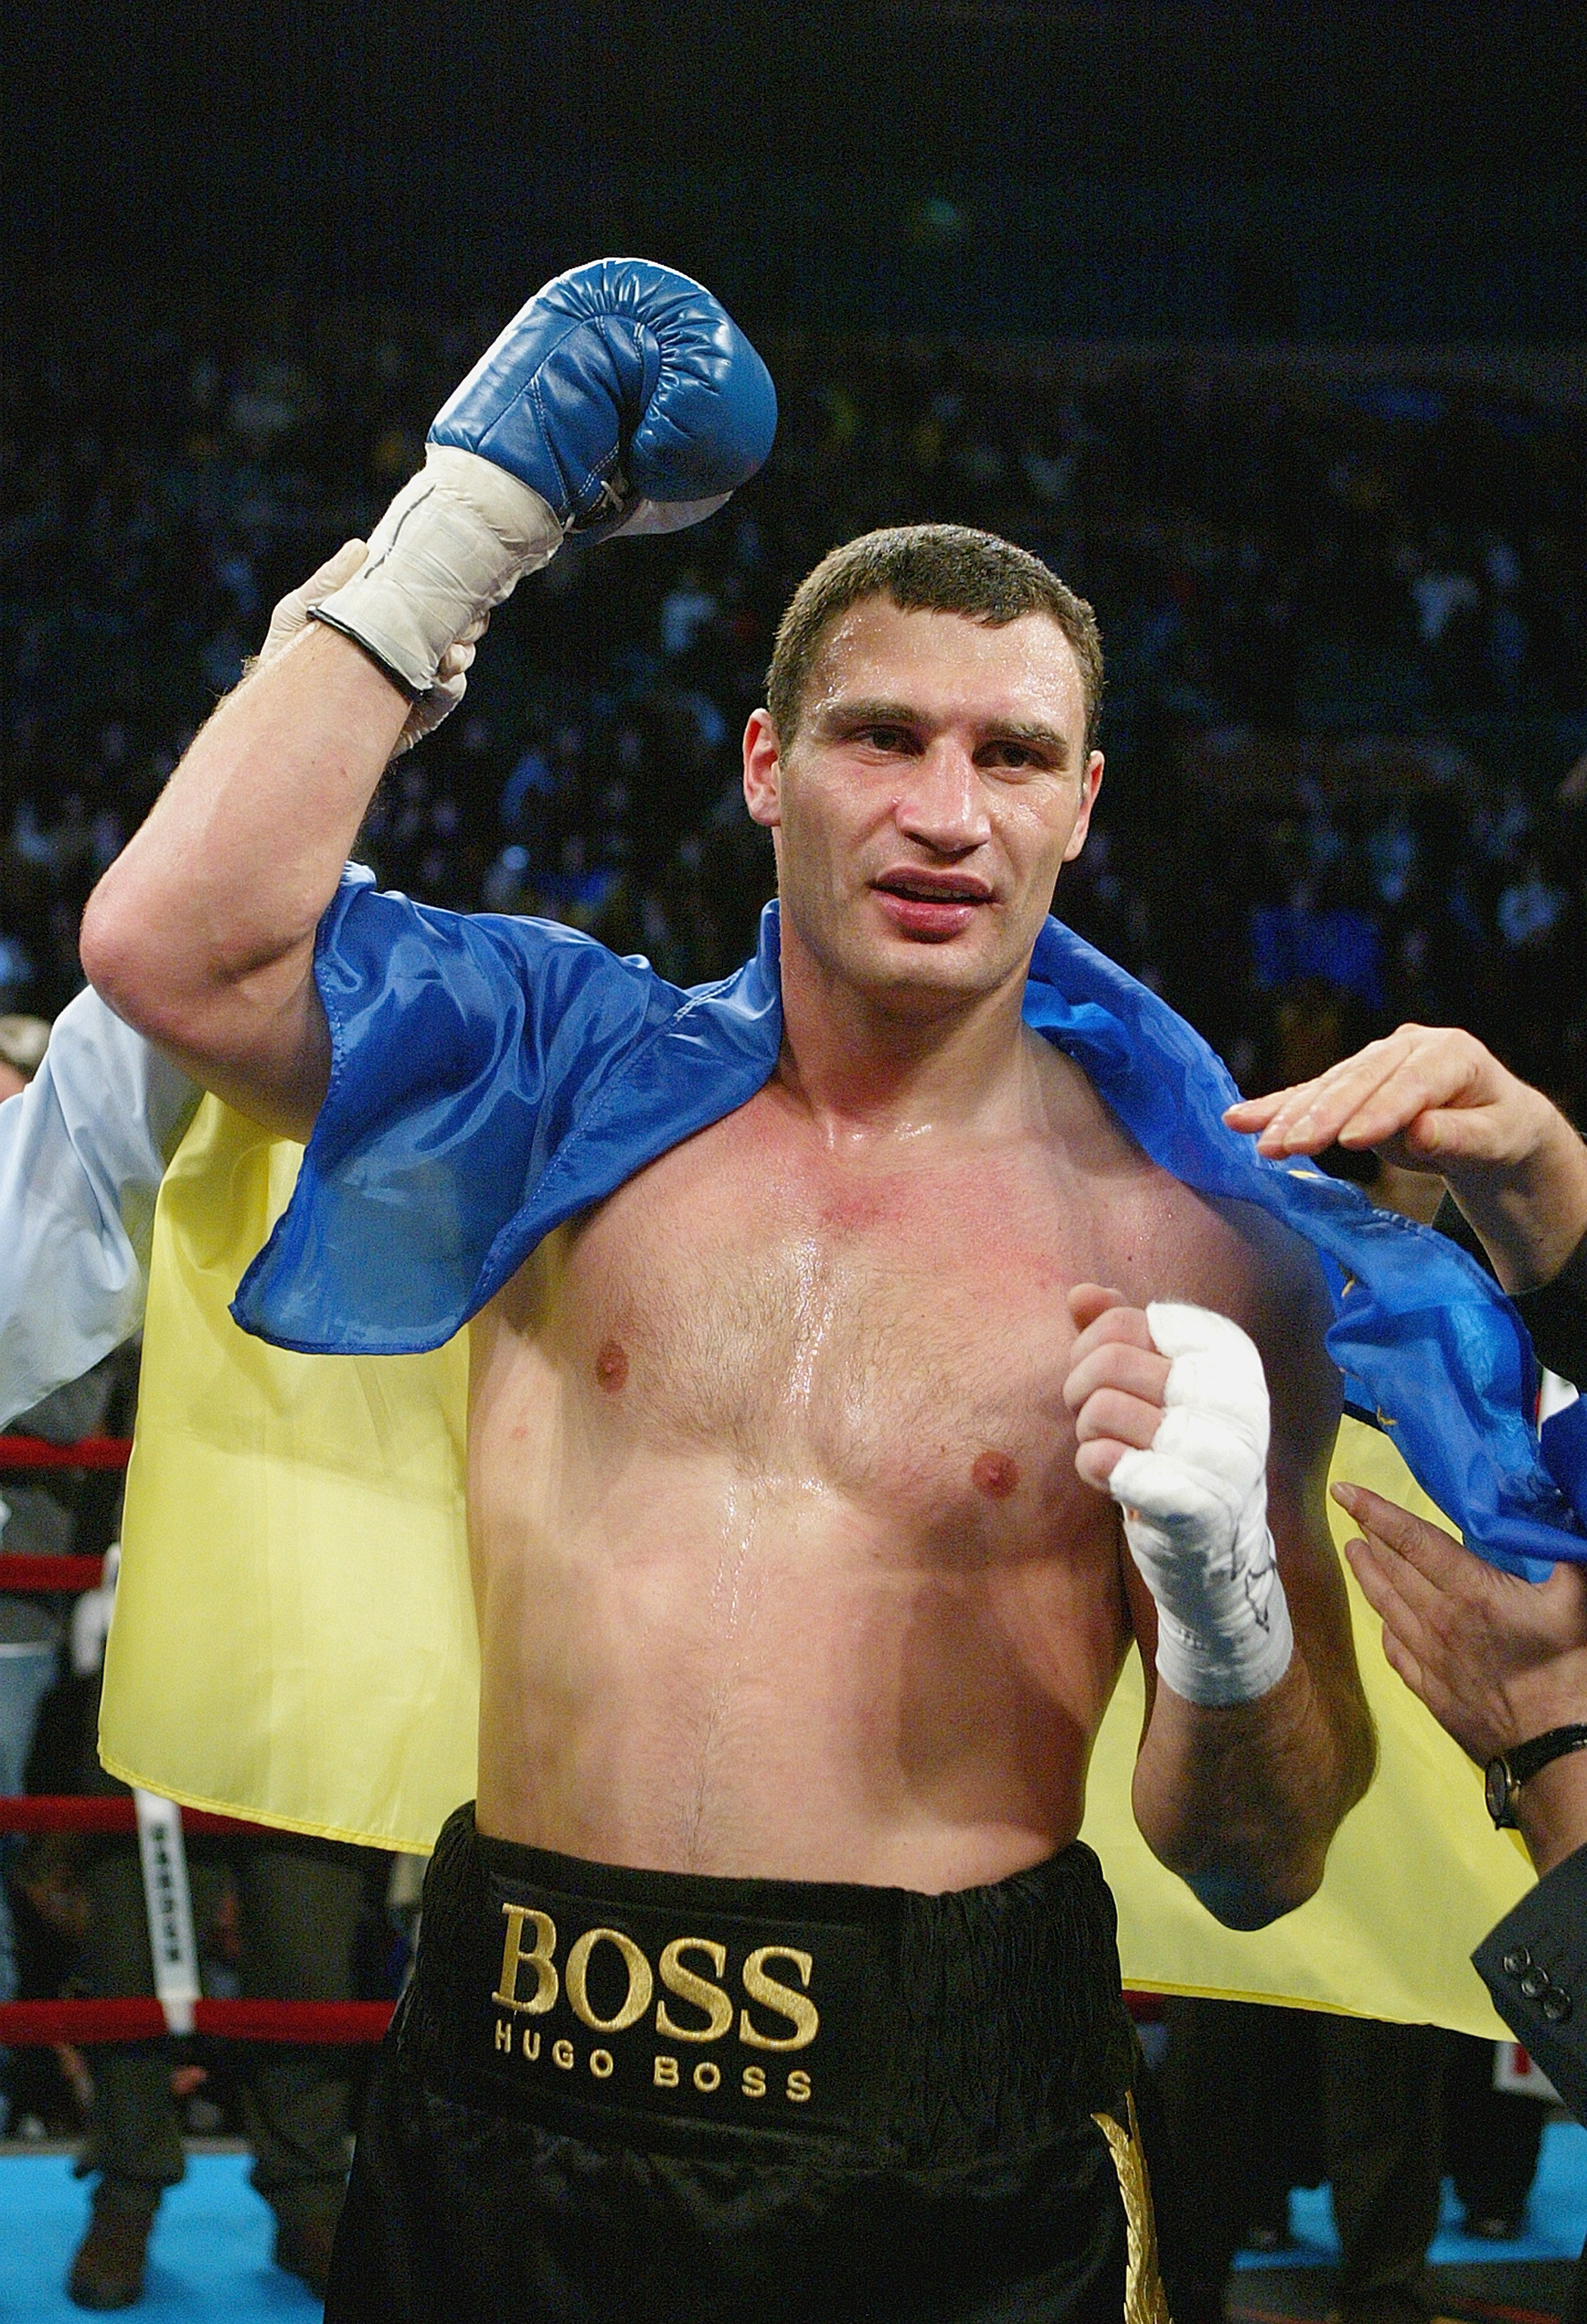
{"x":886,"y":737}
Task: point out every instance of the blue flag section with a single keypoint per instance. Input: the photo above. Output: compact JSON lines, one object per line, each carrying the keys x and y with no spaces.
{"x":1429,"y":1346}
{"x":494,"y":1076}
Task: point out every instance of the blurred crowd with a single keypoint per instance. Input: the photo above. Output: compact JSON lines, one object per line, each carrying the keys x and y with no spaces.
{"x":1345,"y":721}
{"x":1343,"y":617}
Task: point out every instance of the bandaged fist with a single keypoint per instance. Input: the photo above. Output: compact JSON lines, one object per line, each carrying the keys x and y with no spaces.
{"x":1117,"y":1375}
{"x":291,"y":619}
{"x":1170,"y":1407}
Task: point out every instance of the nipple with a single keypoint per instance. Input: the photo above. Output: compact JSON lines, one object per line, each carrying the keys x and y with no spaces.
{"x":995,"y":1474}
{"x":611,"y":1367}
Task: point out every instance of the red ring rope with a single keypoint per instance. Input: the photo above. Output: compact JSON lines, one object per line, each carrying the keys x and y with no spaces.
{"x":111,"y":1811}
{"x":29,"y":2023}
{"x":63,"y":1574}
{"x":88,"y":1452}
{"x":66,"y":1574}
{"x":142,"y":2018}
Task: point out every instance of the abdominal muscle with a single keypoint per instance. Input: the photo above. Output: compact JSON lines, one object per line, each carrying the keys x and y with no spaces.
{"x":745,"y":1676}
{"x":781,"y":1563}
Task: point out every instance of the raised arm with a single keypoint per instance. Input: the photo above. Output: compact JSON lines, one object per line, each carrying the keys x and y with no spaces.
{"x":1258,"y":1740}
{"x":1433,"y":1099}
{"x":201,"y":934}
{"x":621,"y":398}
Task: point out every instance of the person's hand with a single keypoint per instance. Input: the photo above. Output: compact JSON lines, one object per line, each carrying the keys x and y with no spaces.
{"x":1433,"y":1099}
{"x":1427,"y":1098}
{"x":1115,"y":1384}
{"x":290,"y":619}
{"x":1496,"y":1660}
{"x":1171,"y":1418}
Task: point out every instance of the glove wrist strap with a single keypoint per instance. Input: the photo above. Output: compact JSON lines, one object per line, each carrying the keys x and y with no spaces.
{"x":456,"y":540}
{"x":338,"y":623}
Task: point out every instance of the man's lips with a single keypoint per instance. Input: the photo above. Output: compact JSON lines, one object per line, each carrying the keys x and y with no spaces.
{"x":930,"y":904}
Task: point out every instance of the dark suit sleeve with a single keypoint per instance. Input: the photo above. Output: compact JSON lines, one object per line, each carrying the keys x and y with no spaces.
{"x":1534,"y":1965}
{"x":1555,"y":1316}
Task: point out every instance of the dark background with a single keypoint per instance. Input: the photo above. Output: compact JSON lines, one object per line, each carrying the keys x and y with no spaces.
{"x":1112,"y":168}
{"x":1266,"y":327}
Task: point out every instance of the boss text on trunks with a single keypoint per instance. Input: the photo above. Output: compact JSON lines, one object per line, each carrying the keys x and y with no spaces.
{"x":716,"y":2002}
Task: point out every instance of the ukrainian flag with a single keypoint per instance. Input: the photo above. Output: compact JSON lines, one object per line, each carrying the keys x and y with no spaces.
{"x":294,"y":1638}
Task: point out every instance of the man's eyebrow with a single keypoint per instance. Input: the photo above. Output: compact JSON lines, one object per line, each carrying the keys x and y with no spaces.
{"x":867,"y":710}
{"x":863,"y":710}
{"x":1033,"y":733}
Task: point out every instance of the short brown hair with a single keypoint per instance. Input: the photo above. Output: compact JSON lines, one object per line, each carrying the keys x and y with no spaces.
{"x":934,"y":569}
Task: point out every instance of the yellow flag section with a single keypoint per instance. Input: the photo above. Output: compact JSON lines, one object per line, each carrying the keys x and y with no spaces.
{"x":1416,"y":1875}
{"x":294,"y":1639}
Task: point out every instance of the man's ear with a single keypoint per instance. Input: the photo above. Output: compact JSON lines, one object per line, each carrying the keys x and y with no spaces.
{"x":1091,"y":783}
{"x":763,"y":769}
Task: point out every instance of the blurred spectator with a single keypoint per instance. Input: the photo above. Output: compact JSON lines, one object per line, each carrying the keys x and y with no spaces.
{"x":1258,"y":2099}
{"x":1334,"y":572}
{"x":295,"y":1906}
{"x":35,"y":1520}
{"x":283,"y":1914}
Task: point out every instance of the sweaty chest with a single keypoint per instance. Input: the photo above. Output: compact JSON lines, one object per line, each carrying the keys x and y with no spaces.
{"x":899,"y":1335}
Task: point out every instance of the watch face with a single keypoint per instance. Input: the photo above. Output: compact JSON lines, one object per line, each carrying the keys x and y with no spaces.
{"x":1496,"y":1782}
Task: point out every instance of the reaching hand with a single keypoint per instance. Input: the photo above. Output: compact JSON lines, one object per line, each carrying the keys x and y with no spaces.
{"x":1496,"y":1660}
{"x":1433,"y":1099}
{"x":1426,"y":1097}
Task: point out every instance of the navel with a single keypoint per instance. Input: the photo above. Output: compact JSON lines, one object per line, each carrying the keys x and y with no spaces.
{"x":995,"y":1474}
{"x":611,"y":1367}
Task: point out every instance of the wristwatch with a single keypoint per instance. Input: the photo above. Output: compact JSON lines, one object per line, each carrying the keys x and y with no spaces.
{"x":1504,"y":1775}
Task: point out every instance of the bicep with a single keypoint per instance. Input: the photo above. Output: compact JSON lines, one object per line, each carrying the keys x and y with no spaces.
{"x":1271,"y":1283}
{"x":274,"y":1066}
{"x":1290,"y":1312}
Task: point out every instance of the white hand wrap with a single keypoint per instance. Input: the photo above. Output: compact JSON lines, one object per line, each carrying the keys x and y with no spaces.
{"x":1196,"y":1514}
{"x":291,"y":618}
{"x":456,"y":540}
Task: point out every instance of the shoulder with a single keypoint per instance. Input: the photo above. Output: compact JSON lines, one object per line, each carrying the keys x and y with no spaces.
{"x":1181,"y":1244}
{"x":1235,"y":1258}
{"x":1272,"y":1271}
{"x":1276,"y":1291}
{"x":1165,"y":1241}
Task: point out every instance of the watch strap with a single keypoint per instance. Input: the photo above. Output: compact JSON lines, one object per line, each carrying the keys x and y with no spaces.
{"x":1527,"y":1758}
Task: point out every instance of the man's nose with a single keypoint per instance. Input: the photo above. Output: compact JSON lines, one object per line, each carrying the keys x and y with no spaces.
{"x":944,"y":803}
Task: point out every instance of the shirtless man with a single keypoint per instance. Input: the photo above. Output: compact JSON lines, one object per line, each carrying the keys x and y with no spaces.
{"x":769,"y":1977}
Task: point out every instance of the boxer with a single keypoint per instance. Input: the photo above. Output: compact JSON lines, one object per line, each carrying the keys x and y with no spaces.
{"x":849,"y":1391}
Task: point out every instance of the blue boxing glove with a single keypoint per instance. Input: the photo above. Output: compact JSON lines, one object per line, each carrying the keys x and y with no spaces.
{"x":622,"y":399}
{"x":620,"y":384}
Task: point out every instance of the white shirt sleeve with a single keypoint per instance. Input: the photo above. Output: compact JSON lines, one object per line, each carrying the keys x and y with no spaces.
{"x":82,"y":1152}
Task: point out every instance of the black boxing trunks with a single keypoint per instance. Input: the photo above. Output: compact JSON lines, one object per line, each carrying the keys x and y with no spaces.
{"x":612,"y":2095}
